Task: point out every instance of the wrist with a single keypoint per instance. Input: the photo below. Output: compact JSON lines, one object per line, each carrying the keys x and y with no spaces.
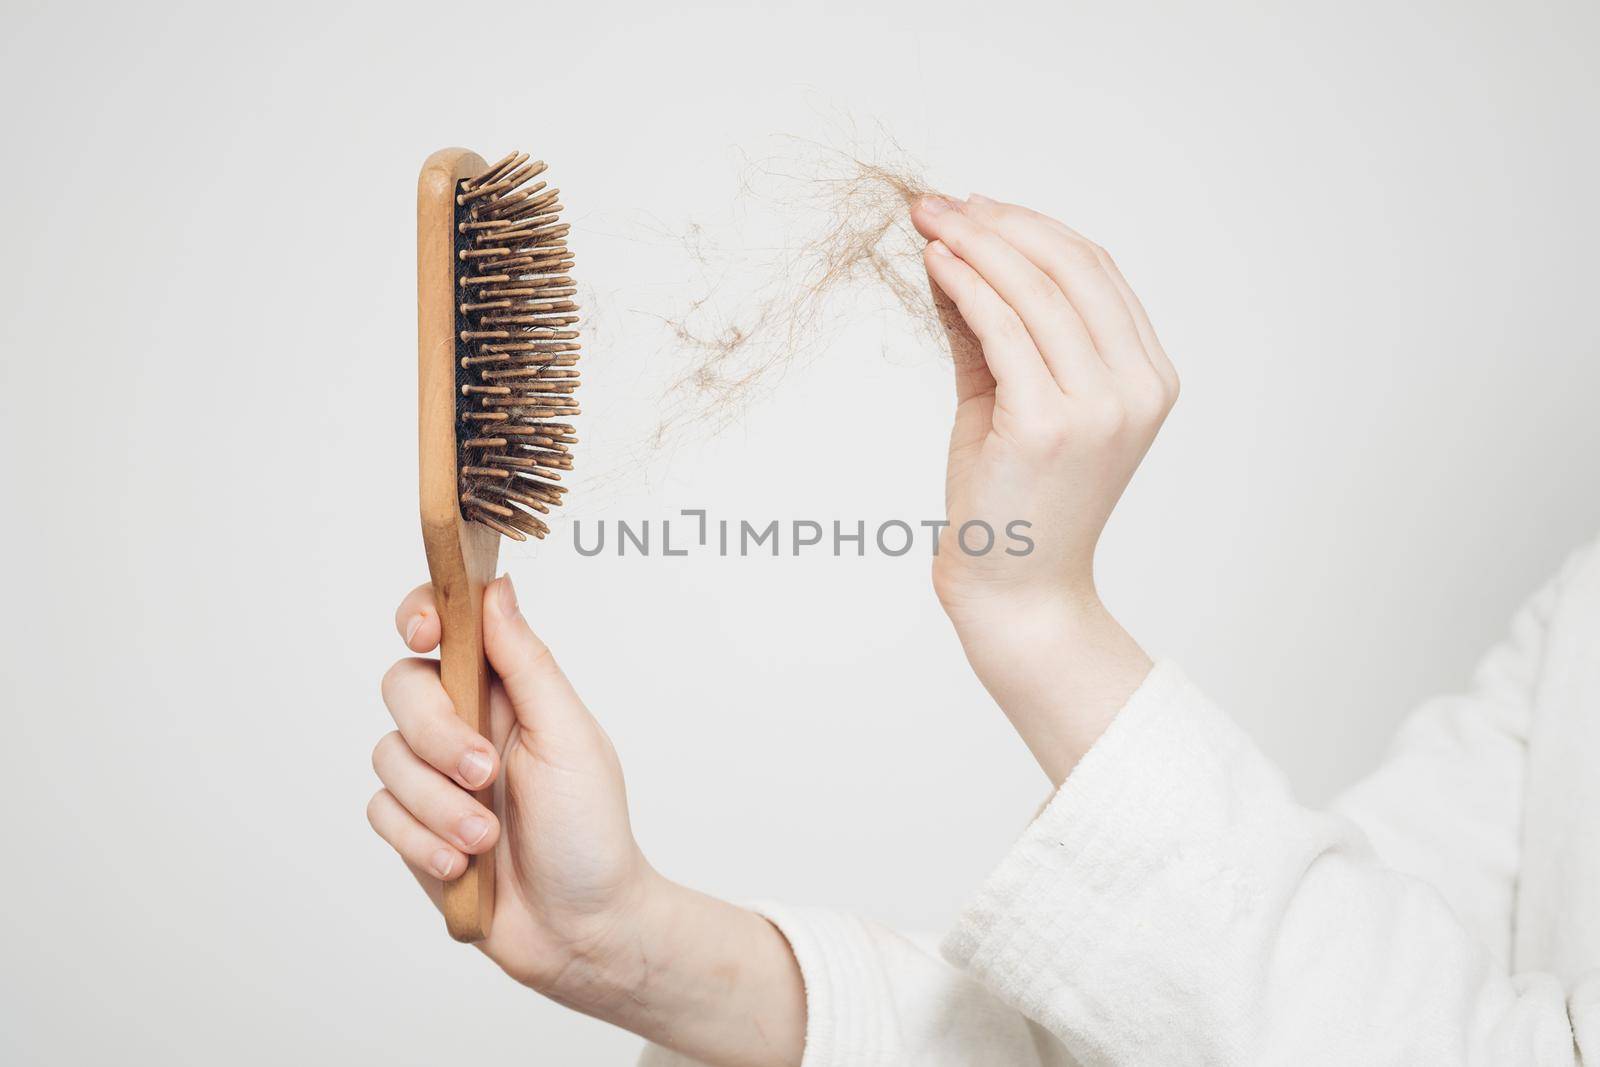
{"x":1057,"y":663}
{"x":597,"y":972}
{"x":706,"y":978}
{"x":1032,"y":613}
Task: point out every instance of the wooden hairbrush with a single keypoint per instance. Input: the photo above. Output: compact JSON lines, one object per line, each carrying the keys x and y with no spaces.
{"x":497,"y":351}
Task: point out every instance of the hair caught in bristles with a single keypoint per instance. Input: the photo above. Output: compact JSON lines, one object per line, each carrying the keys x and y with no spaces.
{"x":517,"y":349}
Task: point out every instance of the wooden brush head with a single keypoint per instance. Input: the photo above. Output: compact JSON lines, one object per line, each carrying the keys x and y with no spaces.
{"x":497,"y":320}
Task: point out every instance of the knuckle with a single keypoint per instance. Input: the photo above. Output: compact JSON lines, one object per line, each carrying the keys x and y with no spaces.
{"x":435,"y":717}
{"x":386,"y":749}
{"x":1147,"y":398}
{"x":1147,"y":408}
{"x":376,"y":806}
{"x":1042,"y":290}
{"x":386,"y":684}
{"x":537,"y":665}
{"x":1078,"y":253}
{"x":412,"y":690}
{"x":542,"y":661}
{"x":1009,"y":328}
{"x":1048,"y":436}
{"x":394,"y":678}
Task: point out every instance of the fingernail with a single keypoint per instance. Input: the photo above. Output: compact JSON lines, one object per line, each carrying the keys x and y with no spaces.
{"x":474,"y":768}
{"x":443,"y":861}
{"x":936,"y":205}
{"x":939,"y":248}
{"x":412,"y":627}
{"x":979,"y":198}
{"x":472,"y":829}
{"x":508,"y":596}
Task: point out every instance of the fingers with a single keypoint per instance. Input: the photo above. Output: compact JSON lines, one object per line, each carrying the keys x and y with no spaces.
{"x":1055,"y":326}
{"x":427,"y":720}
{"x":539,"y":692}
{"x":1152,"y":346}
{"x":421,"y":848}
{"x":436,"y":802}
{"x":417,"y":619}
{"x":427,"y":818}
{"x":1009,"y":354}
{"x":1076,"y":266}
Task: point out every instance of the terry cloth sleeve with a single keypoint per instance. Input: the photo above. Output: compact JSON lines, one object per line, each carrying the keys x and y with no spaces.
{"x":876,"y":998}
{"x":1174,"y":904}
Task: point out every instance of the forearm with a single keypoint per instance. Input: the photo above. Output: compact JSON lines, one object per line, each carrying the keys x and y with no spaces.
{"x":1048,"y":431}
{"x":698,"y":975}
{"x":1059,"y":667}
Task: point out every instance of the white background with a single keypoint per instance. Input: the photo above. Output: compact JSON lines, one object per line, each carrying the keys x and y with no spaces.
{"x":1366,"y":232}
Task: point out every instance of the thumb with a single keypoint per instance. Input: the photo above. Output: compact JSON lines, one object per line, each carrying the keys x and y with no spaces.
{"x":541,"y":697}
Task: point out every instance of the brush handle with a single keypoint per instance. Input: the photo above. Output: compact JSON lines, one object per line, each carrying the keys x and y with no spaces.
{"x":458,"y":583}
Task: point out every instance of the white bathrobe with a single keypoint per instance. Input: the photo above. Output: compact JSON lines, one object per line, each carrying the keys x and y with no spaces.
{"x":1174,"y":905}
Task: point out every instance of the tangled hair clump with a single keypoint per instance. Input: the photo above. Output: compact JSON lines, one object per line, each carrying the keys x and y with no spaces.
{"x":852,"y":239}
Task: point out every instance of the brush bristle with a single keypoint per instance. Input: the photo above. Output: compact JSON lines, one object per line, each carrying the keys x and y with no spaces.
{"x":518,"y":349}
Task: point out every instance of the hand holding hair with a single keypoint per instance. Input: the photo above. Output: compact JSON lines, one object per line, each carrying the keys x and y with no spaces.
{"x":1053,"y":417}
